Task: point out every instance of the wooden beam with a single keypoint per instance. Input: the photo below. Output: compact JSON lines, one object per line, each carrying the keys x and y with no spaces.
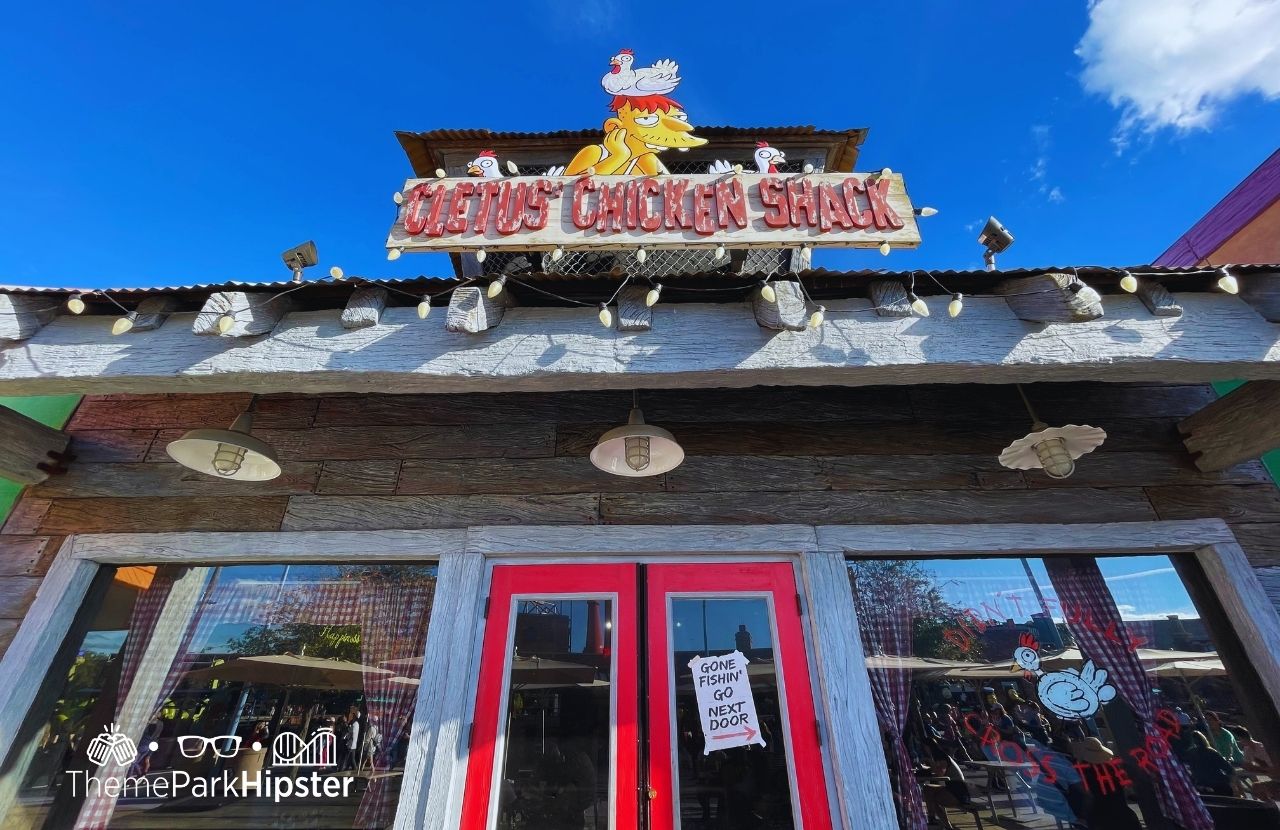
{"x":471,"y":310}
{"x":23,"y":315}
{"x":152,"y":312}
{"x":252,"y":313}
{"x":889,"y":298}
{"x":365,"y":307}
{"x":1051,"y":298}
{"x":705,"y":346}
{"x":29,"y":450}
{"x":787,"y":313}
{"x":1157,"y":298}
{"x":1238,"y":426}
{"x":633,"y":314}
{"x":1262,"y":291}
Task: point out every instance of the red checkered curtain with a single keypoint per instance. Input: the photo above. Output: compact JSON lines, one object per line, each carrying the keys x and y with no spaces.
{"x":394,"y":607}
{"x":98,"y":807}
{"x":1082,"y":589}
{"x":885,"y":624}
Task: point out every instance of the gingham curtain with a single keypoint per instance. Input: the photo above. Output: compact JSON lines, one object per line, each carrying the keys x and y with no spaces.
{"x":885,"y":623}
{"x":394,"y":610}
{"x":1079,"y":583}
{"x":98,"y":807}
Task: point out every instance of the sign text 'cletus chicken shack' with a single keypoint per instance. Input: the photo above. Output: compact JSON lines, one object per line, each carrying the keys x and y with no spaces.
{"x":857,"y":210}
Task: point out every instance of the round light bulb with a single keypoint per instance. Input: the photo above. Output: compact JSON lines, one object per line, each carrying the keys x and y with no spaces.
{"x":1129,"y":283}
{"x":228,"y":458}
{"x":225,"y":322}
{"x":495,"y":287}
{"x":606,"y":317}
{"x":424,"y":308}
{"x":480,"y":255}
{"x":440,"y":174}
{"x":557,"y":255}
{"x":121,"y":325}
{"x":919,"y":306}
{"x":394,"y":254}
{"x":637,"y":452}
{"x":808,"y":168}
{"x":651,"y":299}
{"x":737,"y":170}
{"x":641,"y":256}
{"x":885,"y":249}
{"x":1229,"y":284}
{"x":397,"y":197}
{"x":512,"y":169}
{"x":956,"y":305}
{"x":885,"y":172}
{"x":719,"y":252}
{"x":75,"y":305}
{"x":927,"y":211}
{"x":817,"y":317}
{"x":591,"y":171}
{"x":1054,"y":458}
{"x":336,"y":273}
{"x":768,"y":294}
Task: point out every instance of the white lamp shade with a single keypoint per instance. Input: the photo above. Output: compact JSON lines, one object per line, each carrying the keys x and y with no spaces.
{"x":197,"y":448}
{"x":610,"y":452}
{"x":1078,"y":440}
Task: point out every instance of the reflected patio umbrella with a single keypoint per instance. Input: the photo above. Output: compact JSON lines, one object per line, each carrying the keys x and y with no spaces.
{"x":894,"y":661}
{"x":290,"y":670}
{"x":526,"y":672}
{"x":1071,"y":657}
{"x":1189,"y":668}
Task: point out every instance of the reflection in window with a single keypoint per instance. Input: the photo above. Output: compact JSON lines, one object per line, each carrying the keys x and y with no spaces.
{"x":1075,"y":690}
{"x":233,"y":697}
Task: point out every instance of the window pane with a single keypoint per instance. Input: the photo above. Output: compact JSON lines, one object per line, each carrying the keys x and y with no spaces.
{"x":1073,"y":689}
{"x":234,"y":697}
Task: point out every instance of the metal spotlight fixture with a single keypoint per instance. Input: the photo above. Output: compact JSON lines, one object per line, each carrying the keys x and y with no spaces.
{"x":995,"y":239}
{"x":1052,"y":449}
{"x":637,"y":449}
{"x":227,"y":453}
{"x":300,"y":257}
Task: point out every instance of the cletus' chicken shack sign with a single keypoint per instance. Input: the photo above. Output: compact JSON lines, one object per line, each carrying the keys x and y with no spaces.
{"x":618,"y":193}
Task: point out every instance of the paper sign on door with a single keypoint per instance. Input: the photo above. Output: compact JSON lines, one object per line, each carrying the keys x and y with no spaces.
{"x":725,"y":704}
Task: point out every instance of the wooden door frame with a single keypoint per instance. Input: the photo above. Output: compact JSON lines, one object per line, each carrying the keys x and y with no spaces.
{"x":860,"y":791}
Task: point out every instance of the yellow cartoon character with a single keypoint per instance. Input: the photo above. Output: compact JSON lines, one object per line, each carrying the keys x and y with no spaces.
{"x":646,"y":123}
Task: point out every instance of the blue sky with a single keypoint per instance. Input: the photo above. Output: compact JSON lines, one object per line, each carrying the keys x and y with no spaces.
{"x":150,"y":144}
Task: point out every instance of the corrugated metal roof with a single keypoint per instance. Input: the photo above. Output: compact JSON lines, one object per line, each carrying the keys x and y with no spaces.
{"x":964,"y":280}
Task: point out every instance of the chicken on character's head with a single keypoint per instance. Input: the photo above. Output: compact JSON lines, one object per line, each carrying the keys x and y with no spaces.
{"x":485,"y":166}
{"x":621,"y":61}
{"x":767,"y":158}
{"x":1026,"y":657}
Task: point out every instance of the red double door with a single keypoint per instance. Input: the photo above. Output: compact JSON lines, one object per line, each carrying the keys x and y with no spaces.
{"x":589,"y":714}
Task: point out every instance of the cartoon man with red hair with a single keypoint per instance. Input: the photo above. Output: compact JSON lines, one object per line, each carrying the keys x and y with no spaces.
{"x":646,"y":122}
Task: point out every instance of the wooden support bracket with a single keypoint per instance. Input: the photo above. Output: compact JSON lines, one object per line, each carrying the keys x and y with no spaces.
{"x":471,"y":310}
{"x":1262,"y":291}
{"x":790,"y":311}
{"x":152,"y":312}
{"x":1157,"y":298}
{"x":29,"y":450}
{"x":23,"y":315}
{"x":890,"y":298}
{"x":253,"y":314}
{"x":364,"y":308}
{"x":1050,"y":298}
{"x":1238,"y":426}
{"x":633,"y":314}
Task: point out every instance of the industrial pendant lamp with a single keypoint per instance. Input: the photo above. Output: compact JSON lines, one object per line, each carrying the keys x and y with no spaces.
{"x":227,"y":453}
{"x":1052,"y":449}
{"x":637,"y":449}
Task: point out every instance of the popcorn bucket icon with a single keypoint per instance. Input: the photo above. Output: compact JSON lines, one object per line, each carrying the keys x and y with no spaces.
{"x":112,"y":745}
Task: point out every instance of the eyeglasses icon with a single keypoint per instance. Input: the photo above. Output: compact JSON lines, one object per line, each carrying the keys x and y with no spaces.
{"x":224,"y":746}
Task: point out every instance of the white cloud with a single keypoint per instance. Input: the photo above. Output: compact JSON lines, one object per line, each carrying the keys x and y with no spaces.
{"x":1177,"y":63}
{"x":1040,"y":169}
{"x":1055,"y":195}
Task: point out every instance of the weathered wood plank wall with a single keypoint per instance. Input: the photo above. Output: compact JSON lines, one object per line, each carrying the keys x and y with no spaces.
{"x":863,"y":455}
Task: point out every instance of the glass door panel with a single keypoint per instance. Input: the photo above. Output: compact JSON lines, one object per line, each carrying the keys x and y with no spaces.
{"x":554,"y":742}
{"x":711,"y":769}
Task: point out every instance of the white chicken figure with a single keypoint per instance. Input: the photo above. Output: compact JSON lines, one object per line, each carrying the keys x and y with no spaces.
{"x":485,"y":166}
{"x":766,"y":158}
{"x":658,"y":79}
{"x":1068,"y":693}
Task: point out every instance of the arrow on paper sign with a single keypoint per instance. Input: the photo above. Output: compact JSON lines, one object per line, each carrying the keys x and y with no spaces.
{"x":749,"y":733}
